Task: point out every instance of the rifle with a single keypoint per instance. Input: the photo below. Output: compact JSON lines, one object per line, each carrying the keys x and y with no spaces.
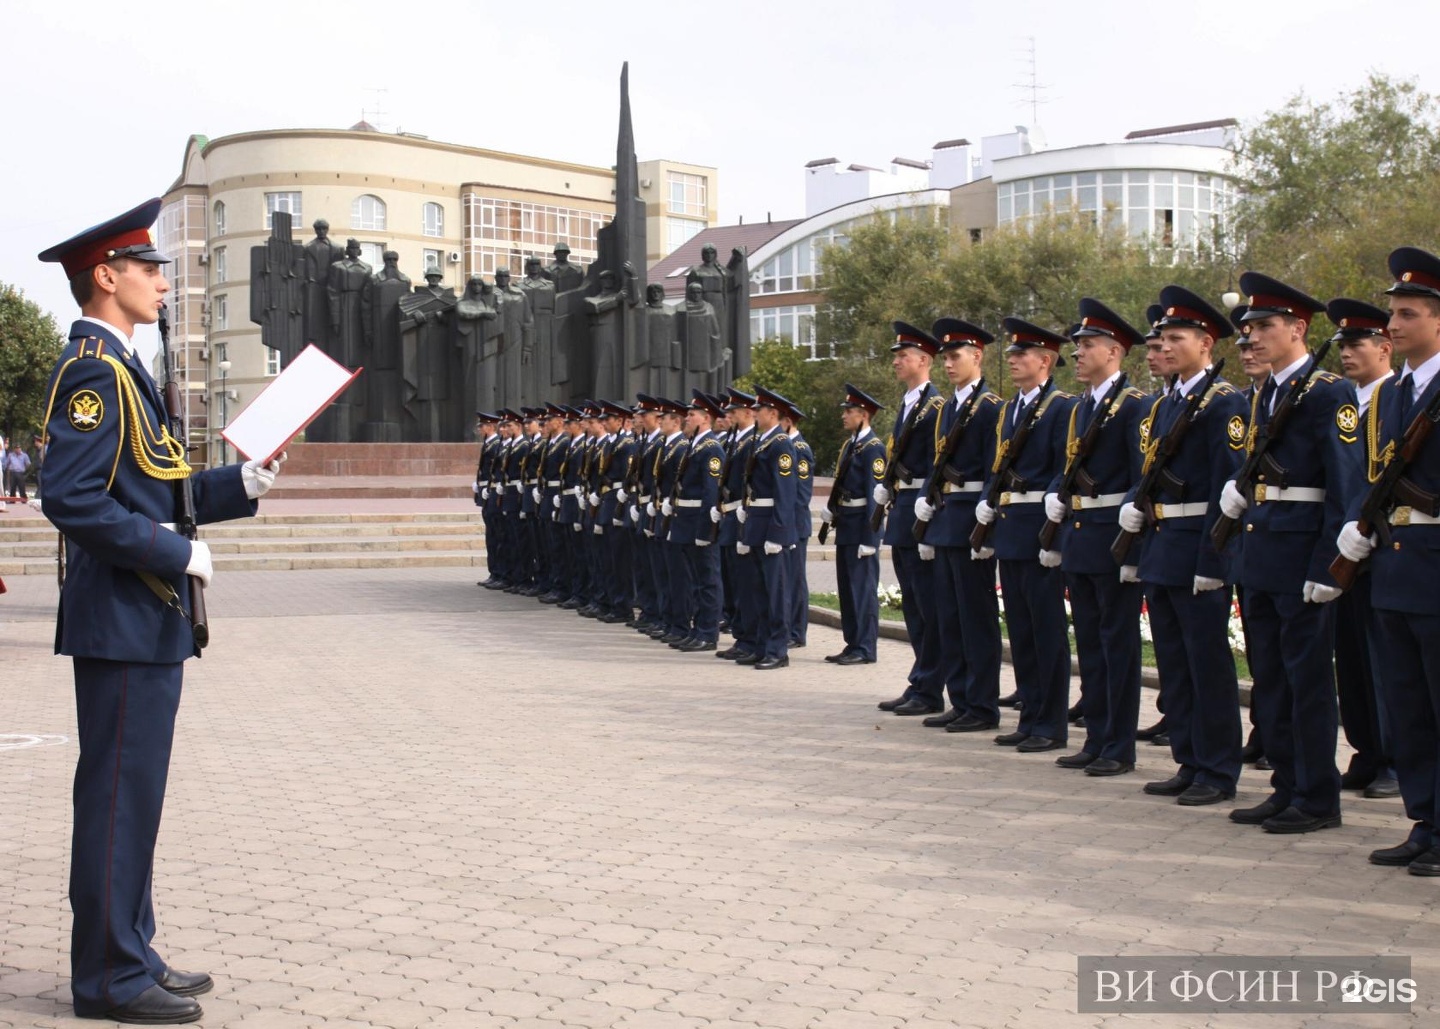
{"x":981,"y":533}
{"x":832,"y":502}
{"x":675,"y":488}
{"x":725,"y":483}
{"x":1083,"y":448}
{"x":893,"y":467}
{"x":1226,"y":527}
{"x":184,"y":494}
{"x":1381,"y":496}
{"x":935,"y":481}
{"x":1165,"y":448}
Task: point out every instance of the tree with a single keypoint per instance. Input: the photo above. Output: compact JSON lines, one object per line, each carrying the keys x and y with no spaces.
{"x":29,"y":345}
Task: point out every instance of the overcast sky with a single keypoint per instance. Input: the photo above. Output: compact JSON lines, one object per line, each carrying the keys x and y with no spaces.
{"x":101,"y":96}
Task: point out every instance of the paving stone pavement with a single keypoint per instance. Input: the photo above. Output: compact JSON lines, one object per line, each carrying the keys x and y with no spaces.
{"x":397,"y":800}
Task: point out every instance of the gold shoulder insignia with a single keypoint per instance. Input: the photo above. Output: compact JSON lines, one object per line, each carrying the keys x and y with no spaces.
{"x":86,"y":410}
{"x":1347,"y":420}
{"x":878,"y":467}
{"x":804,"y":468}
{"x":785,"y":462}
{"x":1235,"y":429}
{"x":715,"y":466}
{"x":1324,"y":375}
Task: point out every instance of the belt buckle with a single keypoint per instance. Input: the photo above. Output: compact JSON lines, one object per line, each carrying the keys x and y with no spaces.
{"x":1077,"y":502}
{"x":1159,"y":510}
{"x":1401,"y":515}
{"x":1005,"y":498}
{"x":1260,"y":491}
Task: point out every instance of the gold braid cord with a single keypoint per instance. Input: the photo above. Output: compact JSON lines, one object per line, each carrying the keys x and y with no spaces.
{"x":1377,"y":459}
{"x":160,"y":458}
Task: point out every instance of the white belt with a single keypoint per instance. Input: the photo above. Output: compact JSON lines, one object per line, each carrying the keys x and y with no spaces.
{"x":552,"y":483}
{"x":761,"y":502}
{"x":689,"y":503}
{"x":855,"y":503}
{"x":575,"y":491}
{"x":732,"y":506}
{"x":531,"y":482}
{"x":1265,"y":494}
{"x":1080,"y":503}
{"x":1410,"y":516}
{"x":485,"y":484}
{"x":643,"y":500}
{"x":909,"y":483}
{"x":171,"y":525}
{"x":963,"y":487}
{"x":1034,"y":496}
{"x":1163,"y":511}
{"x":517,"y":486}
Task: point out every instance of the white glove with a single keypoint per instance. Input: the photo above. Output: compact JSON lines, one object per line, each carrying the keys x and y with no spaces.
{"x":666,"y":508}
{"x":524,"y":515}
{"x":475,"y":487}
{"x":1132,"y":519}
{"x":621,"y":495}
{"x":741,"y":549}
{"x":771,"y":549}
{"x":927,"y":552}
{"x":650,"y":508}
{"x":865,"y":551}
{"x":924,"y":510}
{"x":984,"y":513}
{"x":702,"y":543}
{"x":1204,"y":584}
{"x":200,"y":564}
{"x":555,"y":501}
{"x":1315,"y":593}
{"x":259,"y":478}
{"x":577,"y":526}
{"x":598,"y":530}
{"x":1352,"y":544}
{"x":1050,"y":558}
{"x":1054,"y":510}
{"x":741,"y":514}
{"x":485,"y":493}
{"x":827,"y":516}
{"x":635,"y":514}
{"x":594,"y":499}
{"x":715,"y":516}
{"x":882,"y":495}
{"x":535,"y":494}
{"x":983,"y":554}
{"x":1129,"y":573}
{"x":1232,"y":501}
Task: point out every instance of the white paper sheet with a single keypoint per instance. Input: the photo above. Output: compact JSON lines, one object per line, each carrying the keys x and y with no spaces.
{"x":292,"y":401}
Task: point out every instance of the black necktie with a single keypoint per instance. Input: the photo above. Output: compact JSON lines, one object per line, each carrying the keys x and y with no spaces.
{"x":1087,"y":411}
{"x":1406,"y":382}
{"x":1267,"y":397}
{"x":1019,"y":410}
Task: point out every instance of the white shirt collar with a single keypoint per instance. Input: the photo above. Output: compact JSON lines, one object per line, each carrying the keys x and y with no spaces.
{"x":1281,"y":377}
{"x":1421,"y":376}
{"x":795,"y":434}
{"x":962,"y":393}
{"x":1097,"y":393}
{"x":674,"y":436}
{"x":912,"y":396}
{"x":654,"y":435}
{"x":124,"y":339}
{"x":862,"y":434}
{"x":1366,"y":391}
{"x":742,"y":433}
{"x":1184,"y":388}
{"x":773,"y":431}
{"x":1029,"y":396}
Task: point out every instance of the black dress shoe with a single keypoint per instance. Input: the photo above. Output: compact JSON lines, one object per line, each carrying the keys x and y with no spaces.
{"x":971,"y":724}
{"x":495,"y":584}
{"x":1162,"y":740}
{"x":1151,"y":732}
{"x":728,"y":654}
{"x":1293,"y":820}
{"x":941,"y":720}
{"x":674,"y":637}
{"x":1382,"y":787}
{"x":1011,"y":739}
{"x":1263,"y":764}
{"x":1036,"y":744}
{"x":570,"y":605}
{"x":1076,"y":713}
{"x":797,"y":644}
{"x":891,"y":705}
{"x":854,"y":659}
{"x":1079,"y":759}
{"x":1010,"y":699}
{"x":1396,"y":856}
{"x":1252,"y":751}
{"x":1106,"y":766}
{"x":186,"y":984}
{"x":551,"y":598}
{"x":1267,"y":808}
{"x":916,"y":707}
{"x":588,"y":611}
{"x":156,"y":1006}
{"x":832,"y":658}
{"x":1427,"y":863}
{"x":771,"y":663}
{"x":696,"y":646}
{"x":748,"y":659}
{"x":613,"y":618}
{"x":1356,"y":778}
{"x":1198,"y":794}
{"x":1171,"y":787}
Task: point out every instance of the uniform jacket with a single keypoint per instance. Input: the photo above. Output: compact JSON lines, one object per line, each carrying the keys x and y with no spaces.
{"x":1015,"y":534}
{"x":969,"y":463}
{"x":489,"y":447}
{"x":614,"y":471}
{"x":860,"y":468}
{"x":770,"y":475}
{"x":699,"y":477}
{"x":515,"y":460}
{"x":804,"y":487}
{"x":733,"y":484}
{"x":530,"y":474}
{"x":572,"y":479}
{"x":555,"y":452}
{"x":109,"y":481}
{"x":917,"y":459}
{"x":649,"y":450}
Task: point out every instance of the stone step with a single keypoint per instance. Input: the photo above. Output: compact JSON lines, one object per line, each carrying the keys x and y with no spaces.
{"x":290,"y":562}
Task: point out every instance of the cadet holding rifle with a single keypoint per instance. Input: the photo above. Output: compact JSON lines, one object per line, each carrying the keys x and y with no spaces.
{"x":112,"y":468}
{"x":1301,"y":469}
{"x":1398,"y":520}
{"x":965,"y":600}
{"x":1195,"y":442}
{"x":860,"y":468}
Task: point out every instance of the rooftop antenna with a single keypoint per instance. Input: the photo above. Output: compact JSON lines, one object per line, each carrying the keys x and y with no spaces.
{"x":374,"y":111}
{"x":1033,"y":91}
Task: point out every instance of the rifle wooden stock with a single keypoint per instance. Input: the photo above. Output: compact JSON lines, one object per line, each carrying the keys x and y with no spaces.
{"x":934,"y":488}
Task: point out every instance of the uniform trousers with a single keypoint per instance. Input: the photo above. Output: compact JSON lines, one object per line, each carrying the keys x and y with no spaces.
{"x":797,"y":583}
{"x":968,"y":609}
{"x":1410,"y":683}
{"x":126,"y":724}
{"x":705,"y":576}
{"x":620,"y":597}
{"x":1357,"y":682}
{"x":1197,"y":682}
{"x":857,"y":579}
{"x":1039,"y":645}
{"x":644,"y":572}
{"x":1106,"y":614}
{"x":772,"y":631}
{"x":917,"y":604}
{"x":745,"y":622}
{"x":679,"y":588}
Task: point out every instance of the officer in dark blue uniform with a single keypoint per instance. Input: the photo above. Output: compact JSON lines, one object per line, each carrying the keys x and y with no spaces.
{"x":1405,"y":564}
{"x":1366,"y":353}
{"x":617,"y":454}
{"x":649,"y":566}
{"x":1034,"y":595}
{"x":110,"y":479}
{"x":1292,"y":515}
{"x":499,"y":553}
{"x":859,"y":469}
{"x":557,"y":445}
{"x":1188,"y":597}
{"x":911,"y":453}
{"x":743,"y":583}
{"x":1104,"y":605}
{"x":678,"y":592}
{"x":573,"y":503}
{"x":512,"y":505}
{"x":1155,"y":363}
{"x":487,"y":428}
{"x":796,"y":580}
{"x":696,"y":494}
{"x":767,"y":528}
{"x":966,"y":606}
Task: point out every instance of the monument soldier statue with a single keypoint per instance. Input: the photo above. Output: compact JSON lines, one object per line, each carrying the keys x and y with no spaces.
{"x":320,"y":253}
{"x":383,"y":386}
{"x":428,"y":364}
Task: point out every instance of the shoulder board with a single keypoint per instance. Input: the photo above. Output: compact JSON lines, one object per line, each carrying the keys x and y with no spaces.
{"x":1326,"y":376}
{"x":1135,"y":393}
{"x":990,"y":398}
{"x":935,"y":403}
{"x":1222,"y":389}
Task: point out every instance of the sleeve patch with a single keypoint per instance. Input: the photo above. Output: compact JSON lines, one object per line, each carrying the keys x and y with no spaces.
{"x":86,"y":410}
{"x":714,"y":466}
{"x":804,"y":468}
{"x":1235,"y":429}
{"x":1347,"y":419}
{"x":878,"y":467}
{"x":785,"y":462}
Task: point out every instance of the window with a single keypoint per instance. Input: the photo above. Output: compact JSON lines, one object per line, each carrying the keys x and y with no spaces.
{"x":367,"y":212}
{"x":976,"y":235}
{"x":679,"y":231}
{"x":287,"y":202}
{"x":220,"y":265}
{"x":433,"y":220}
{"x":219,"y":217}
{"x":687,"y":194}
{"x":373,"y":254}
{"x":222,"y":313}
{"x":432,"y":259}
{"x":272,"y":362}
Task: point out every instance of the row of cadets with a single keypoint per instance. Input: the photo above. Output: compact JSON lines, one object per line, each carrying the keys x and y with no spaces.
{"x":858,"y":470}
